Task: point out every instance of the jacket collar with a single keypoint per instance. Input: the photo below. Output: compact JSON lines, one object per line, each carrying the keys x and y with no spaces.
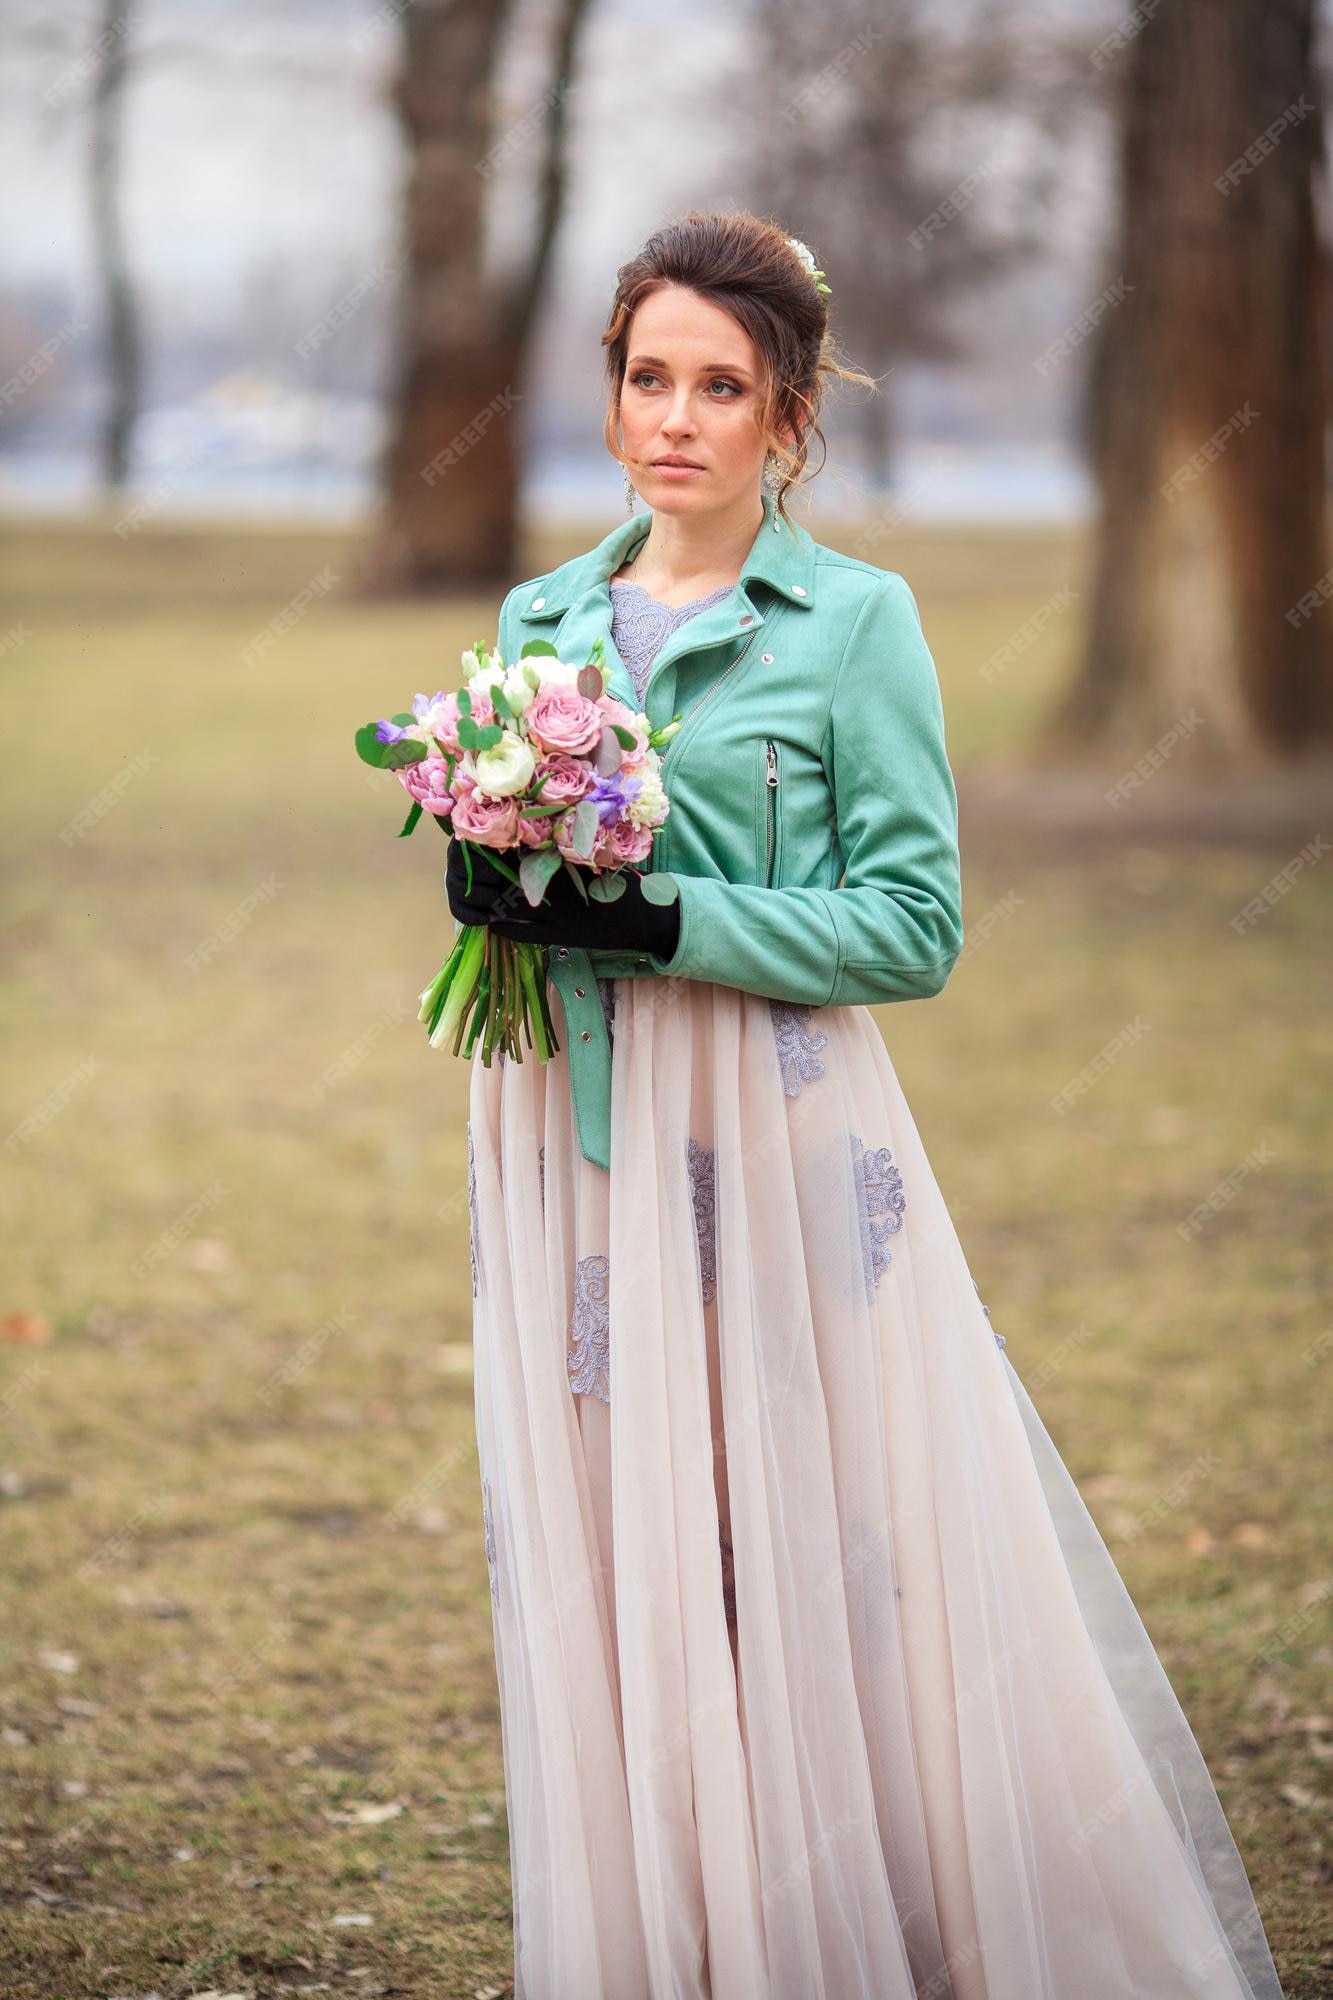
{"x":781,"y":555}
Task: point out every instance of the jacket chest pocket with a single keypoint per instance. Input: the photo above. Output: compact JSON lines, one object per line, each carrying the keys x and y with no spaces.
{"x":769,"y":811}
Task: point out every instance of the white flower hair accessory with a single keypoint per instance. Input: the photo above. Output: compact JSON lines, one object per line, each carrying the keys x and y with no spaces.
{"x":807,"y":257}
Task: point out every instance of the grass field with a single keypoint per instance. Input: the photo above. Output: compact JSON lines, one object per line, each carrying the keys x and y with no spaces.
{"x":250,"y":1735}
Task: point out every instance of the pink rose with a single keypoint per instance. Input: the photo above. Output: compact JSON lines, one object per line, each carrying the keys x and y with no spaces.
{"x":446,"y":713}
{"x":534,"y":832}
{"x":623,"y":842}
{"x":559,"y":718}
{"x":566,"y":779}
{"x":614,"y":710}
{"x":425,"y":782}
{"x":490,"y":822}
{"x":563,"y":829}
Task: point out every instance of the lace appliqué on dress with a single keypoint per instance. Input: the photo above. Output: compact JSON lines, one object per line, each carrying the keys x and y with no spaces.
{"x":473,"y":1227}
{"x":702,"y":1163}
{"x":606,"y":991}
{"x":489,"y":1520}
{"x":640,"y":625}
{"x":796,"y":1044}
{"x":881,"y":1201}
{"x":590,"y":1364}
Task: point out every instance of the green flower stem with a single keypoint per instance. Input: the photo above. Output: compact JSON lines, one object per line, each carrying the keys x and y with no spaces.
{"x":515,"y":1006}
{"x":532,"y":971}
{"x":495,"y":983}
{"x":465,"y":960}
{"x":473,"y":1027}
{"x":492,"y":988}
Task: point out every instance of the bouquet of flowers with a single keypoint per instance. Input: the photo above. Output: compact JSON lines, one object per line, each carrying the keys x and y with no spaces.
{"x":539,"y":765}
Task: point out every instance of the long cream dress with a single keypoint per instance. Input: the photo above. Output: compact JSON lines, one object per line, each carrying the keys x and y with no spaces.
{"x":816,"y":1678}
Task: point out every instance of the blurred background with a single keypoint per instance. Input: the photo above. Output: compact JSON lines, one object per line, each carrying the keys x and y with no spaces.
{"x":300,"y":370}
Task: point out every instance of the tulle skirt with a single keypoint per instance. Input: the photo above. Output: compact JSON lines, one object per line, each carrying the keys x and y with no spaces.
{"x":816,"y":1678}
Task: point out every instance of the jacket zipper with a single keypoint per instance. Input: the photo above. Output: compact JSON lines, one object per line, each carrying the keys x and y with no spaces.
{"x":772,"y":784}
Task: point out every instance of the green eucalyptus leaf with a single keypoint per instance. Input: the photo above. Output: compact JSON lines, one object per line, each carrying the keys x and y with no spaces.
{"x":586,"y":823}
{"x":607,"y":888}
{"x":590,"y":682}
{"x":538,"y":646}
{"x":607,"y":755}
{"x":535,"y":871}
{"x":388,"y":756}
{"x":659,"y":888}
{"x":478,"y":736}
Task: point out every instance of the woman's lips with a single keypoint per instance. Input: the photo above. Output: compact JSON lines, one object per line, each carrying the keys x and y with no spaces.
{"x":677,"y":471}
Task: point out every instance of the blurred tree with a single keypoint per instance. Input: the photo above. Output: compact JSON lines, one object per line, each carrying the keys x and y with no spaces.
{"x":451,"y":464}
{"x":1207,"y":412}
{"x":916,"y":152}
{"x":124,"y":347}
{"x":104,"y":59}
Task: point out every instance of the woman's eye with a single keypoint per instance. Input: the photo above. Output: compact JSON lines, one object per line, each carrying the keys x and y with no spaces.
{"x":641,"y":376}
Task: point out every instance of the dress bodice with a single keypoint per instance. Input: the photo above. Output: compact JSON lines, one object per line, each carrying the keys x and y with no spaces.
{"x":640,"y":624}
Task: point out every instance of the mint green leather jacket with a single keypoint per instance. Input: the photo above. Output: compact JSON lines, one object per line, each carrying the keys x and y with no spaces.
{"x":813,"y":830}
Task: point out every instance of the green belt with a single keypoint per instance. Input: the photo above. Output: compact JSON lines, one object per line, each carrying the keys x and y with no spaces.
{"x":574,"y":973}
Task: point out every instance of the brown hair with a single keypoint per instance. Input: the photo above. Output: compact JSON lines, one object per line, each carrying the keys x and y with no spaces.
{"x":745,"y":265}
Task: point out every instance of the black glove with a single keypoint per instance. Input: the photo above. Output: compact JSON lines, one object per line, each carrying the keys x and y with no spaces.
{"x":631,"y":923}
{"x":492,"y":894}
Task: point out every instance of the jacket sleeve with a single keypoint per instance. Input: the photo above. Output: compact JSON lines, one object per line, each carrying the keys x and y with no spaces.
{"x":894,"y":928}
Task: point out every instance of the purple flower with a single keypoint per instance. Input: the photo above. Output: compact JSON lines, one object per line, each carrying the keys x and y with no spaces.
{"x":612,"y":795}
{"x":390,"y":732}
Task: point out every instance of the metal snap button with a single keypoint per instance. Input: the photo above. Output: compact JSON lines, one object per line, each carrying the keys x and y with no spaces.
{"x":798,"y":590}
{"x":586,"y":1036}
{"x":767,"y":659}
{"x":562,"y":951}
{"x":748,"y":619}
{"x":537,"y":603}
{"x":578,"y":992}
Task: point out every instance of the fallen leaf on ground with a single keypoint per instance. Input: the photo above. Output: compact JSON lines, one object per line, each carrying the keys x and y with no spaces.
{"x":25,"y":1329}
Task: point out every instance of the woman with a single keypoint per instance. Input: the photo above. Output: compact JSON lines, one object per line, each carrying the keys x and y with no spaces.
{"x":816,"y":1677}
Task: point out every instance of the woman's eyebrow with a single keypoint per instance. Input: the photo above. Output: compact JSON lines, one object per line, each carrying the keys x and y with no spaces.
{"x":708,"y":368}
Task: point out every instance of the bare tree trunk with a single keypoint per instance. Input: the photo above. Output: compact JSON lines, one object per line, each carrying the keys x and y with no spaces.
{"x":451,"y":470}
{"x":123,"y":346}
{"x":1207,"y":402}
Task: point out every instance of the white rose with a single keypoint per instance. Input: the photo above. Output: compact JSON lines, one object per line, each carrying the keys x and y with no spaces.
{"x":488,"y":675}
{"x":649,"y":803}
{"x":565,"y":672}
{"x":503,"y":770}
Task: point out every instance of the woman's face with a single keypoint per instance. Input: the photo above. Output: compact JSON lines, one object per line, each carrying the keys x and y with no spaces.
{"x":691,"y":390}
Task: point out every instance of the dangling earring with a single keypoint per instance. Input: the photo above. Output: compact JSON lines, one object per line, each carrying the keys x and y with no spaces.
{"x":772,"y":477}
{"x":631,"y":497}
